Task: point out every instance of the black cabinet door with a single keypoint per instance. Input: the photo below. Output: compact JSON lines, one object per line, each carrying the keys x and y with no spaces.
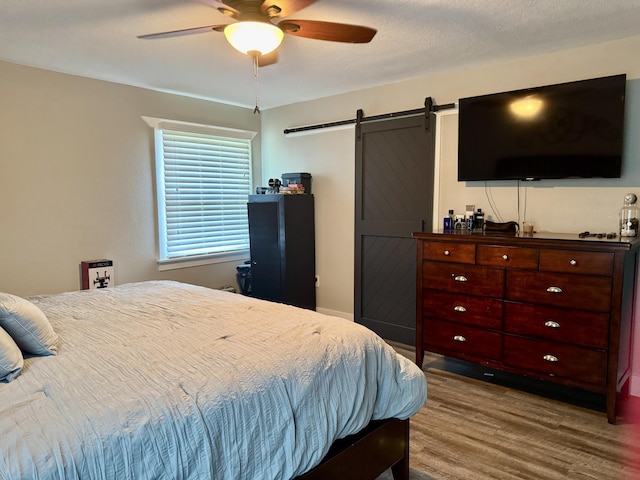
{"x":282,"y":241}
{"x":264,"y":232}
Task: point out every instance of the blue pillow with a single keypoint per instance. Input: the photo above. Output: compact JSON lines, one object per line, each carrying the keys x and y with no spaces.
{"x":27,"y":325}
{"x":11,"y":360}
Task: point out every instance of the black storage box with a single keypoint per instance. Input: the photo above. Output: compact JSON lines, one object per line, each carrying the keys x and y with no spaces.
{"x":302,"y":178}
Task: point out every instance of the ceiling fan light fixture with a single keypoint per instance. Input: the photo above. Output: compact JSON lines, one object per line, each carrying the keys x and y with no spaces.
{"x":260,"y":37}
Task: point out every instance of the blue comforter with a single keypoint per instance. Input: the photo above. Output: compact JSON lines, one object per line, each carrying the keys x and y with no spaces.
{"x":163,"y":380}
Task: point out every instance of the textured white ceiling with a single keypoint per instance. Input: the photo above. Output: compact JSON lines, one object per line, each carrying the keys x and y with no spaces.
{"x":97,"y":39}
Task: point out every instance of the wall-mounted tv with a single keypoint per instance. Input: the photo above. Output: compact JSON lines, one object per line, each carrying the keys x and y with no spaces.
{"x":568,"y":130}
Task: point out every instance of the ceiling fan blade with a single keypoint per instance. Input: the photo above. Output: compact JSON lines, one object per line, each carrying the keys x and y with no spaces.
{"x":334,"y":32}
{"x":268,"y":59}
{"x":185,"y":31}
{"x":283,"y":8}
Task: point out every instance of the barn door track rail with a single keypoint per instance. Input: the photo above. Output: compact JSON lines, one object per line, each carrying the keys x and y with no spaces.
{"x":429,"y":107}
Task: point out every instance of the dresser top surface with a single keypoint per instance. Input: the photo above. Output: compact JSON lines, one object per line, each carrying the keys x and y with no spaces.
{"x":538,"y":239}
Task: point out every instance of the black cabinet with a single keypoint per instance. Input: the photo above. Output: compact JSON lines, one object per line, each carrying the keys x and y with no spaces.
{"x":282,"y":239}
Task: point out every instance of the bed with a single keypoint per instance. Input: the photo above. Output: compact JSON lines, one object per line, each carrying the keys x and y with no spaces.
{"x":161,"y":379}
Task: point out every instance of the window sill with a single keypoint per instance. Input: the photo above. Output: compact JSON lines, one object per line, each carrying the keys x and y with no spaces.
{"x":187,"y":262}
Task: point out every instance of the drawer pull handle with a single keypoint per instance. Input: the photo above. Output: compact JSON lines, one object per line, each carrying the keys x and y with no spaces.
{"x":459,"y":338}
{"x":550,"y":358}
{"x":459,"y":308}
{"x":460,"y":278}
{"x":573,"y":262}
{"x":551,"y":324}
{"x":554,"y":290}
{"x":505,"y":257}
{"x":447,"y":253}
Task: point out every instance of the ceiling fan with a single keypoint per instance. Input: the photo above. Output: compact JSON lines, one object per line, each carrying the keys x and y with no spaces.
{"x":265,"y":16}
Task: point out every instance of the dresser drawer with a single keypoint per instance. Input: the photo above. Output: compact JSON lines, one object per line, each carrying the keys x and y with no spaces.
{"x":570,"y":261}
{"x":556,"y":359}
{"x":462,"y":278}
{"x":459,"y":340}
{"x":467,"y":309}
{"x":569,"y":326}
{"x":561,"y":290}
{"x":449,"y":252}
{"x":505,"y":256}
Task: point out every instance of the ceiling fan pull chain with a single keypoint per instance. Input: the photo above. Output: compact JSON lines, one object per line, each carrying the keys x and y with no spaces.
{"x":255,"y":74}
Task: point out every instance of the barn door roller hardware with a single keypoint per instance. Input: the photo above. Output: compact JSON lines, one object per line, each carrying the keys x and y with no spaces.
{"x":429,"y":107}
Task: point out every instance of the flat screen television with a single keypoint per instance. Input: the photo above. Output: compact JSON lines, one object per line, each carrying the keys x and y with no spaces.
{"x":568,"y":130}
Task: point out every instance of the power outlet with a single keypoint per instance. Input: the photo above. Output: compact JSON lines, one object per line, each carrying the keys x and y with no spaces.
{"x":317,"y":281}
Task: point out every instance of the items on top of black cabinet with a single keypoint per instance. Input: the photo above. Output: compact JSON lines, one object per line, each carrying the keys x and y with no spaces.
{"x":296,"y":183}
{"x":274,"y":185}
{"x":303,"y":179}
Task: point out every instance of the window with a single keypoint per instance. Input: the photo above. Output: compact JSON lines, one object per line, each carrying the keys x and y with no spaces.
{"x":203,"y":181}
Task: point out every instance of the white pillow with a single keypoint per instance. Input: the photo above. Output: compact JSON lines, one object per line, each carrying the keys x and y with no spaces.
{"x":11,"y":360}
{"x":27,"y":325}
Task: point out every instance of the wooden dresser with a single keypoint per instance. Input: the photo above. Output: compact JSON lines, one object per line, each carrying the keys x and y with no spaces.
{"x":549,"y":306}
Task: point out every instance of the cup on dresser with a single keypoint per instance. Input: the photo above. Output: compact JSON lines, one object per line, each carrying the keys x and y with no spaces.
{"x":527,"y":228}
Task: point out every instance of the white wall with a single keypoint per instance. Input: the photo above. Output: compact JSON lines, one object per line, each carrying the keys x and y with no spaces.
{"x":77,"y":178}
{"x":560,"y":206}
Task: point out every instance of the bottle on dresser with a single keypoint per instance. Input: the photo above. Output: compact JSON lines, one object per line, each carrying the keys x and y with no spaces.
{"x":447,"y":225}
{"x":469,"y":214}
{"x":629,"y":216}
{"x":478,"y":220}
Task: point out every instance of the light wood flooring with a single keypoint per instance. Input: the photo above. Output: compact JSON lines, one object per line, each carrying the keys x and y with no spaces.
{"x":477,"y":430}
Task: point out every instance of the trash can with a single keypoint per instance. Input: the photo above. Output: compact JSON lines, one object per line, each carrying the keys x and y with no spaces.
{"x":243,"y":276}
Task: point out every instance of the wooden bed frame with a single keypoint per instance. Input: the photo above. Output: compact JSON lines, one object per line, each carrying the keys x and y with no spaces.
{"x":381,"y":445}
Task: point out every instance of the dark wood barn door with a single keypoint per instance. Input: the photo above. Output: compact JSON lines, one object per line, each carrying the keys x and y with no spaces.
{"x":394,"y":197}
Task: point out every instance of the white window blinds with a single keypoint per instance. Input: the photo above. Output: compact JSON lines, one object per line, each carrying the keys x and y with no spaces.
{"x":203,"y":184}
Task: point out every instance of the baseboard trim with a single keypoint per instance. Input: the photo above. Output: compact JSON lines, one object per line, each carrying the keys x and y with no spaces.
{"x":335,"y":313}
